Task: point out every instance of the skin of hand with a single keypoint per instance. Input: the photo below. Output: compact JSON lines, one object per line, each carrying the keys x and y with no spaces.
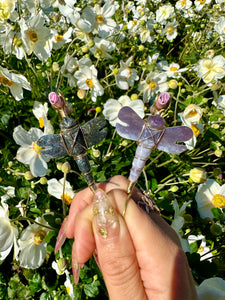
{"x":140,"y":255}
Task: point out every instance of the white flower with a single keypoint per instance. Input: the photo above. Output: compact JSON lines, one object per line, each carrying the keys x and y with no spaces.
{"x":220,"y":28}
{"x":209,"y":195}
{"x":87,"y":79}
{"x":41,"y":111}
{"x":126,"y":76}
{"x":192,"y":114}
{"x":220,"y":103}
{"x":102,"y":48}
{"x":154,"y":83}
{"x":199,"y":4}
{"x":69,"y":286}
{"x":15,"y":82}
{"x":173,"y":70}
{"x":8,"y":232}
{"x":101,"y":18}
{"x":211,"y":289}
{"x":163,"y":13}
{"x":36,"y":37}
{"x":171,"y":30}
{"x":112,"y":108}
{"x":6,"y":8}
{"x":55,"y":188}
{"x":178,"y":223}
{"x":32,"y":245}
{"x":211,"y":69}
{"x":58,"y":40}
{"x":203,"y":249}
{"x":29,"y":152}
{"x":183,"y":4}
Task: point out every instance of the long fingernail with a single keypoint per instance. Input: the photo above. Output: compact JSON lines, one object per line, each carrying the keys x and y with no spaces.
{"x":105,"y":215}
{"x":95,"y":255}
{"x":61,"y":236}
{"x":75,"y":268}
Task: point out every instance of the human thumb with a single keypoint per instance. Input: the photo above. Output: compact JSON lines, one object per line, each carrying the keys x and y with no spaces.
{"x":115,"y":250}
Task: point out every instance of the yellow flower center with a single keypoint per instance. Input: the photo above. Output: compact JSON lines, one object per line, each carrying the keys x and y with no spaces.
{"x":200,"y":249}
{"x":89,"y":83}
{"x":202,"y":1}
{"x":183,"y":3}
{"x":134,"y":22}
{"x":192,"y":113}
{"x":152,"y":85}
{"x":195,"y":129}
{"x":41,"y":122}
{"x":36,"y":148}
{"x":33,"y":36}
{"x":67,"y":199}
{"x":58,"y":38}
{"x":170,"y":29}
{"x":68,"y":289}
{"x":39,"y":236}
{"x":5,"y":81}
{"x":218,"y":201}
{"x":99,"y":19}
{"x":173,"y":69}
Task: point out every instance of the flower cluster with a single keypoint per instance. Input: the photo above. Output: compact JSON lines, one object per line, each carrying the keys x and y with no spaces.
{"x":90,"y":59}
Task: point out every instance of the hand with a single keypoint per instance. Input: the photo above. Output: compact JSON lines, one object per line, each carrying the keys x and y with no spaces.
{"x":139,"y":255}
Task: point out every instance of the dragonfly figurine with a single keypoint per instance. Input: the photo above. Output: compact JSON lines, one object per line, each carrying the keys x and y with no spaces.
{"x":73,"y":139}
{"x":149,"y":134}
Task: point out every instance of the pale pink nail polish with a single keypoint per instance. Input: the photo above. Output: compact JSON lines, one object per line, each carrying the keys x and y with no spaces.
{"x":61,"y":236}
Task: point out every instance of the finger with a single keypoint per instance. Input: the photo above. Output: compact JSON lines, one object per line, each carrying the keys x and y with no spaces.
{"x":116,"y":252}
{"x":83,"y":198}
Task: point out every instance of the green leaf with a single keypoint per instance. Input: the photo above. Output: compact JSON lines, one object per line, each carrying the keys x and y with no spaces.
{"x":92,"y":290}
{"x":35,"y":283}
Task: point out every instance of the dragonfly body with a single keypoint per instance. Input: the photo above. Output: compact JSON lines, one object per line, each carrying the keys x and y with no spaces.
{"x":73,"y":140}
{"x":150,"y":134}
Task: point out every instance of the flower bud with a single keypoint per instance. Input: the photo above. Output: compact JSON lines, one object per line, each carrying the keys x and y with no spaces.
{"x":98,"y":109}
{"x":216,"y":229}
{"x":66,"y":167}
{"x":85,"y":49}
{"x":10,"y":164}
{"x":56,"y":101}
{"x":59,"y":166}
{"x":96,"y":153}
{"x":173,"y":84}
{"x":218,"y":153}
{"x":28,"y":175}
{"x":134,"y":97}
{"x":198,"y":175}
{"x":174,"y":189}
{"x":62,"y":264}
{"x":81,"y":94}
{"x":43,"y":180}
{"x":55,"y":67}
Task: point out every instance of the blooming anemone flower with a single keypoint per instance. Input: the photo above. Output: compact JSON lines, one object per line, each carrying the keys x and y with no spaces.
{"x":112,"y":108}
{"x":203,"y":249}
{"x":125,"y":76}
{"x":15,"y":82}
{"x":6,"y":8}
{"x":69,"y":286}
{"x":211,"y":289}
{"x":41,"y":111}
{"x":101,"y":18}
{"x":29,"y":153}
{"x":87,"y":80}
{"x":154,"y":83}
{"x":209,"y":195}
{"x":55,"y":188}
{"x":211,"y":69}
{"x":191,"y":114}
{"x":163,"y":13}
{"x":35,"y":37}
{"x":32,"y":245}
{"x":8,"y":232}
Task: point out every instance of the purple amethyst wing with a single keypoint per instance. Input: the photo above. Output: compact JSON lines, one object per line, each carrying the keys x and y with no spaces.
{"x":52,"y":146}
{"x":172,"y":136}
{"x":134,"y":124}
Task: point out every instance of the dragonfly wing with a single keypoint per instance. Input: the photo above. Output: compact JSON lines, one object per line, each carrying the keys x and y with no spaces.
{"x":172,"y":136}
{"x":52,"y":146}
{"x":94,"y":131}
{"x":133,"y":124}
